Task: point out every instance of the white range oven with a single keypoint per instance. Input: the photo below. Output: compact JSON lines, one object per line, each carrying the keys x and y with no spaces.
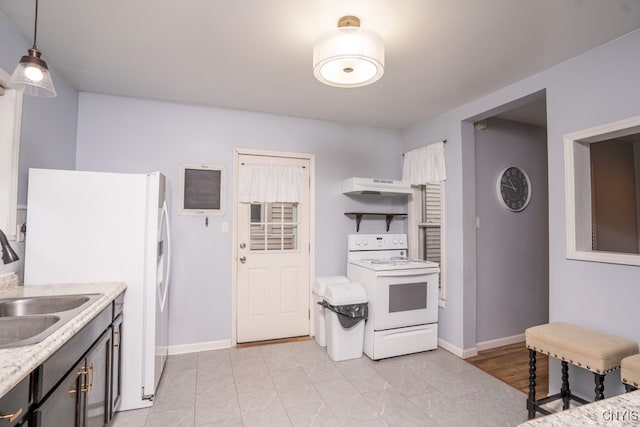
{"x":402,"y":292}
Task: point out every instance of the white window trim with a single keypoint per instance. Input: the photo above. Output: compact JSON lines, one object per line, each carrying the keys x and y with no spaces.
{"x":414,"y":217}
{"x":9,"y":159}
{"x":578,"y":191}
{"x":442,"y":291}
{"x":415,"y":206}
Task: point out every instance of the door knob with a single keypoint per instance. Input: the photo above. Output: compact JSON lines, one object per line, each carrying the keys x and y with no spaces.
{"x":243,"y":245}
{"x":243,"y":259}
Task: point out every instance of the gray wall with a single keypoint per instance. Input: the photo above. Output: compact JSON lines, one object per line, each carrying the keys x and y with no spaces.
{"x":512,"y":248}
{"x":48,"y":134}
{"x":132,"y":135}
{"x":597,"y":87}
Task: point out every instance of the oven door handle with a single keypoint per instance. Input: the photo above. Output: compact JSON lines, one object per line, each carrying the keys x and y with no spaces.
{"x":405,"y":273}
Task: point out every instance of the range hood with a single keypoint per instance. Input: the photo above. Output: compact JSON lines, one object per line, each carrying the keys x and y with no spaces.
{"x":383,"y":187}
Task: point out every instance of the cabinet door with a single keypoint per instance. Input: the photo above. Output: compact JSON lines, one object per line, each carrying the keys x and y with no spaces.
{"x":14,"y":405}
{"x":64,"y":406}
{"x":98,"y":385}
{"x":116,"y":367}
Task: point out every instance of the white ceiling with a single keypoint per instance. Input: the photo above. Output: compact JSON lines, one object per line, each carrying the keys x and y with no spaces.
{"x":256,"y":54}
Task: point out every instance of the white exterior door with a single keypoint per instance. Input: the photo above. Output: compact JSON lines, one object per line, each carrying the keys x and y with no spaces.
{"x":273,"y":263}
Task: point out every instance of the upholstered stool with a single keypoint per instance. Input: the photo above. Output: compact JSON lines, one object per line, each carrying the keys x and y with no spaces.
{"x":595,"y":351}
{"x":630,"y":372}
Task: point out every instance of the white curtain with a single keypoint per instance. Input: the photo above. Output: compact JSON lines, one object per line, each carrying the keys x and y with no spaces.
{"x":261,"y":183}
{"x":425,"y":165}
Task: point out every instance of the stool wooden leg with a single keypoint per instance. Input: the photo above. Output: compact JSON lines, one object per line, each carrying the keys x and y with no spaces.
{"x":531,"y":399}
{"x":565,"y":391}
{"x":599,"y":380}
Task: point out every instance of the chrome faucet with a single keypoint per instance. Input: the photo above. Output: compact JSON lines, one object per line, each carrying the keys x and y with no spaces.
{"x":8,"y":254}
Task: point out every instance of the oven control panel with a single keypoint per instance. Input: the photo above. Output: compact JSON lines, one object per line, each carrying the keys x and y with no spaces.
{"x":363,"y":242}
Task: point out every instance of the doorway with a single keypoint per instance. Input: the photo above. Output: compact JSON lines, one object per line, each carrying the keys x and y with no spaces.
{"x":273,"y":255}
{"x":512,"y":230}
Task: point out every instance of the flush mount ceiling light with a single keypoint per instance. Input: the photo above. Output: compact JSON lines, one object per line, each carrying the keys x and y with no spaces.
{"x":349,"y":56}
{"x":32,"y":74}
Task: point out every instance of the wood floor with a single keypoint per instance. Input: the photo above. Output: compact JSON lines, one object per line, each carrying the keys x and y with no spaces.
{"x":510,"y":364}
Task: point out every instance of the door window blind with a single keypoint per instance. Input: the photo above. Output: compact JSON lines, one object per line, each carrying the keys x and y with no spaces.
{"x":431,"y":227}
{"x":432,"y":222}
{"x":274,"y":226}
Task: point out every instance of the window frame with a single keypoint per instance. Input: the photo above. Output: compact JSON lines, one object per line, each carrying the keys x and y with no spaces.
{"x":267,"y":220}
{"x":418,"y":232}
{"x":578,"y":221}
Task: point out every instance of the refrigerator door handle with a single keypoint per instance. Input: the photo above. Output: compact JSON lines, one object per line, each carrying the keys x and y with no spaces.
{"x":165,"y":214}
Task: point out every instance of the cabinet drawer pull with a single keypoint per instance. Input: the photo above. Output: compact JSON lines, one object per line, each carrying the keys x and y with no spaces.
{"x":11,"y":417}
{"x":84,"y":388}
{"x":91,"y":371}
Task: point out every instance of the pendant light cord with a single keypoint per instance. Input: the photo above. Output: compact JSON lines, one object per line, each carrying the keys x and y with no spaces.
{"x":32,"y":74}
{"x":35,"y":27}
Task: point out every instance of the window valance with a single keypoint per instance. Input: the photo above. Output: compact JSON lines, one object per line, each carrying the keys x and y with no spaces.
{"x":425,"y":165}
{"x":259,"y":183}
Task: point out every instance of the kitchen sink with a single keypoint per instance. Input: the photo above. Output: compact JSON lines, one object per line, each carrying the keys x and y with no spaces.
{"x":29,"y":320}
{"x":41,"y":305}
{"x":24,"y":329}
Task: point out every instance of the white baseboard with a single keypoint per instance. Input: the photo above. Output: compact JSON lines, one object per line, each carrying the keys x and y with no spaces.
{"x":462,"y":353}
{"x":487,"y":345}
{"x":200,"y":346}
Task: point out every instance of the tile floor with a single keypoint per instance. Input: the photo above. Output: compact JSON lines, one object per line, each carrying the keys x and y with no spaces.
{"x":298,"y":384}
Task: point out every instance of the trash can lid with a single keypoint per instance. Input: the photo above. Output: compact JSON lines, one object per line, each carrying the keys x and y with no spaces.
{"x":320,"y":284}
{"x":345,"y":293}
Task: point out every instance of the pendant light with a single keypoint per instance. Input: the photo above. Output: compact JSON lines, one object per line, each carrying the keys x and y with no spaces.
{"x":349,"y":56}
{"x":32,"y":74}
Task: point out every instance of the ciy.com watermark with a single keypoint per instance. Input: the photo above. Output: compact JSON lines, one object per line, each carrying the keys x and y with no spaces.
{"x":621,"y":415}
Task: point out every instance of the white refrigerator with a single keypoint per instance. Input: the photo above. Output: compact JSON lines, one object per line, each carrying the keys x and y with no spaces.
{"x":104,"y":227}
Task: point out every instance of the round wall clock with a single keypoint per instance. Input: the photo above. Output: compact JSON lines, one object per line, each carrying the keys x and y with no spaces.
{"x":514,"y":188}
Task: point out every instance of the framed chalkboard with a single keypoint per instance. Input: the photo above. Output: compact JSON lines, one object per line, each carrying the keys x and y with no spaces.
{"x":201,"y":190}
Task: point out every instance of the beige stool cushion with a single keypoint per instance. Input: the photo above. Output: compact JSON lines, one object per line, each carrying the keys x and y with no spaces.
{"x":630,"y":370}
{"x":592,"y":350}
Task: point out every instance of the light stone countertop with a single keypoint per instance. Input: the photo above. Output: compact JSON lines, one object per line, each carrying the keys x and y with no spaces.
{"x":621,"y":410}
{"x":16,"y":363}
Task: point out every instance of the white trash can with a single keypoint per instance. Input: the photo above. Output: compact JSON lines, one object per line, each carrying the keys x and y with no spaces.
{"x":345,"y":313}
{"x":319,"y":286}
